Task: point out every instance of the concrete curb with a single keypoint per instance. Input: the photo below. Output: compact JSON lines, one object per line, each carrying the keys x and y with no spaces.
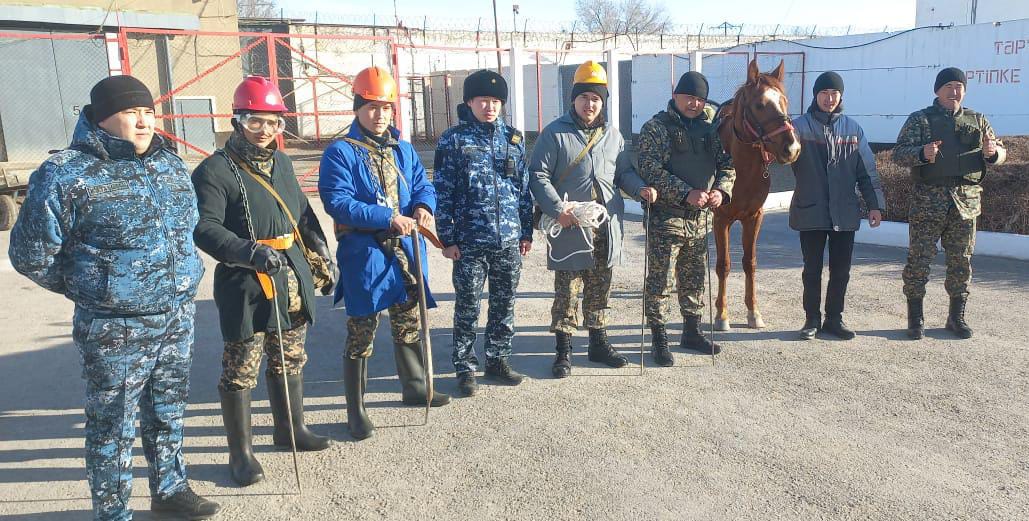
{"x":1007,"y":245}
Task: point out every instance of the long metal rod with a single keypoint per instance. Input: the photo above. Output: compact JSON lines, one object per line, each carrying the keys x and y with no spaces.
{"x":423,"y":312}
{"x":646,"y":274}
{"x":710,"y":298}
{"x":285,"y":385}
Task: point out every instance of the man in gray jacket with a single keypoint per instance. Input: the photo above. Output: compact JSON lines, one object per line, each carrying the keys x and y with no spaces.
{"x":580,"y":157}
{"x":834,"y":159}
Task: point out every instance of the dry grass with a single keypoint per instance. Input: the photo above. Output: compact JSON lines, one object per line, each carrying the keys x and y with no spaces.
{"x":1005,"y":190}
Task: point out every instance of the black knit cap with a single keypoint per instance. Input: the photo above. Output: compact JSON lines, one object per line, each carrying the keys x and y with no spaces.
{"x":485,"y":83}
{"x":596,"y":88}
{"x":116,"y":93}
{"x":828,"y":80}
{"x":692,"y":83}
{"x":948,"y":75}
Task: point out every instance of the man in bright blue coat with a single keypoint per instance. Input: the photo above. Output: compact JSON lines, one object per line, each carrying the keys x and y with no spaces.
{"x":376,"y":190}
{"x":108,"y":223}
{"x":484,"y":219}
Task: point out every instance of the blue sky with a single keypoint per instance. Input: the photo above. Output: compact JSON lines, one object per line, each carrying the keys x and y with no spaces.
{"x":864,"y":13}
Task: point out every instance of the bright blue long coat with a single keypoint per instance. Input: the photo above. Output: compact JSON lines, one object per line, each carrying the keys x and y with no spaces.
{"x":371,"y":280}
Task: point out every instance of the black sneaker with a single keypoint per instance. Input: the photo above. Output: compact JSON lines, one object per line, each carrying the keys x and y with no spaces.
{"x":186,"y":504}
{"x":466,"y":384}
{"x":500,"y":371}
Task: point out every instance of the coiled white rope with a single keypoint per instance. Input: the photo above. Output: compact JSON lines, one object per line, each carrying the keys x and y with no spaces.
{"x":590,"y":216}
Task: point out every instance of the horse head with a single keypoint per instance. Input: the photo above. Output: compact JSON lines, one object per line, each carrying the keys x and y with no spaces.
{"x":760,"y":116}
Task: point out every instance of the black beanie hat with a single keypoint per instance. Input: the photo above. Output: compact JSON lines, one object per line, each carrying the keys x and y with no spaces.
{"x":692,"y":83}
{"x":485,"y":83}
{"x":359,"y":102}
{"x":948,"y":75}
{"x":116,"y":93}
{"x":828,"y":80}
{"x":597,"y":88}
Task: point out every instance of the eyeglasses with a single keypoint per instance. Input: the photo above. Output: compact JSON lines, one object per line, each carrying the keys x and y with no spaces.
{"x":257,"y":123}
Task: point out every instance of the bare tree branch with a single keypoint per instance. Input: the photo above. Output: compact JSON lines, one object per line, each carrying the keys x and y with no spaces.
{"x":630,"y":18}
{"x":256,"y":9}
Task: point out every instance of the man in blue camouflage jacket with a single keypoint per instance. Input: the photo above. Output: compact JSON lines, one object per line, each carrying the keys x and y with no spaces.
{"x":484,"y":219}
{"x":108,"y":223}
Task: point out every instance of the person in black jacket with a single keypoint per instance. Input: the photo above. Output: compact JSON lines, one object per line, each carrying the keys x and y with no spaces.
{"x":248,"y":197}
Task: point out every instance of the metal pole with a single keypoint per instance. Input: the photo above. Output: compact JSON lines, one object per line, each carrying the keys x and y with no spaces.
{"x":646,"y":273}
{"x":423,"y":315}
{"x":496,"y":35}
{"x":285,"y":385}
{"x":710,"y":298}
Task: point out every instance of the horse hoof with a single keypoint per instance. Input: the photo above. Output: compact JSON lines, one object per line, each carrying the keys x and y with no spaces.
{"x":754,"y":320}
{"x":721,"y":324}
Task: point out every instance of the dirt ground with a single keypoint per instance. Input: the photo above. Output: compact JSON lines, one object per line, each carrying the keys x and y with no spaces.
{"x":876,"y":428}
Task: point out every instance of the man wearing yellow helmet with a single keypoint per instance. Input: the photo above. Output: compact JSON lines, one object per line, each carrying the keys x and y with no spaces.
{"x":376,"y":190}
{"x":581,"y":158}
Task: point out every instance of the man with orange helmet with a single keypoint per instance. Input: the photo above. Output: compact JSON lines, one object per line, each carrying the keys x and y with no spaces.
{"x":376,"y":190}
{"x":248,"y":196}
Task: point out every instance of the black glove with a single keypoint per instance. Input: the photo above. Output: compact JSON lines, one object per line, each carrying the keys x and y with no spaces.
{"x":266,"y":259}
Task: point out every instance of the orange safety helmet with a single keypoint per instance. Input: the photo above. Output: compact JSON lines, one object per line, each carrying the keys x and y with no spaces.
{"x":591,"y":72}
{"x":375,"y":84}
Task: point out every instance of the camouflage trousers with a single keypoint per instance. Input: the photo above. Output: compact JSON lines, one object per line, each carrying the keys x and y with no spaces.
{"x":595,"y":284}
{"x":241,"y":360}
{"x":934,"y":217}
{"x":134,"y":363}
{"x":403,"y":319}
{"x":503,"y":267}
{"x":690,"y":267}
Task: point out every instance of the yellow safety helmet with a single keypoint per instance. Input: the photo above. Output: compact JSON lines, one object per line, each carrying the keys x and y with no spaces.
{"x":591,"y":72}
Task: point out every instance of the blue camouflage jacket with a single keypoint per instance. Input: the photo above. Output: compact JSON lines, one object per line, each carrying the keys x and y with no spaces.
{"x":108,"y":229}
{"x":482,"y":184}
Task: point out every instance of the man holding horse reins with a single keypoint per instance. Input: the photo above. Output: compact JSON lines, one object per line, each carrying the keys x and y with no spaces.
{"x":682,"y":157}
{"x":834,"y":159}
{"x":947,"y":147}
{"x":580,"y":162}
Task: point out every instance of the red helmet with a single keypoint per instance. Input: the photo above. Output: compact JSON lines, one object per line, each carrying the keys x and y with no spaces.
{"x":257,"y":94}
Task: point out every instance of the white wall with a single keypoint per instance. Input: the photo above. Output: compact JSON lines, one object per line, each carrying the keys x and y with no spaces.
{"x":889,"y":79}
{"x":960,"y":12}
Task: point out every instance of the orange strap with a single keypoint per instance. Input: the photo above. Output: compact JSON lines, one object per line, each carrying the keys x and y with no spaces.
{"x":280,"y":243}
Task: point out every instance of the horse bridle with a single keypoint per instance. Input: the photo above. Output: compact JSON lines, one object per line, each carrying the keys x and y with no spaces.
{"x":761,"y":139}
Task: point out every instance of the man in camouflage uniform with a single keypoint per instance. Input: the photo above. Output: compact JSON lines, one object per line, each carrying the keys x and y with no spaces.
{"x":947,"y":147}
{"x":376,"y":190}
{"x":484,"y":219}
{"x":108,"y":223}
{"x":682,"y":156}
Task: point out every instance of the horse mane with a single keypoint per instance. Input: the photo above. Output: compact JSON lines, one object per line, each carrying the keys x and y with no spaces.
{"x":727,"y":113}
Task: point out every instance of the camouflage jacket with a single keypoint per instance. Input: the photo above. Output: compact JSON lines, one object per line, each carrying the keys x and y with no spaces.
{"x":482,"y":184}
{"x":655,"y":155}
{"x":110,"y":230}
{"x":916,"y":133}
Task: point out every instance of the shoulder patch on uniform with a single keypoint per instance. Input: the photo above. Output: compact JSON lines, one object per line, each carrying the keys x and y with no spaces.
{"x":113,"y":186}
{"x":516,"y":137}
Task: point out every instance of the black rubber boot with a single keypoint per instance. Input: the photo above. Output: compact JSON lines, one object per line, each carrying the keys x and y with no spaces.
{"x":185,"y":504}
{"x":563,"y":362}
{"x":916,"y":319}
{"x":245,"y":468}
{"x":693,"y":340}
{"x":412,"y":376}
{"x":467,"y":384}
{"x":500,"y":371}
{"x":600,"y":350}
{"x":836,"y":327}
{"x":305,"y":439}
{"x":956,"y":320}
{"x":355,"y":380}
{"x":811,"y":326}
{"x":659,"y":346}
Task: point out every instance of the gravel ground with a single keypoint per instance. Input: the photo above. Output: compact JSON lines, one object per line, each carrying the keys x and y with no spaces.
{"x":876,"y":428}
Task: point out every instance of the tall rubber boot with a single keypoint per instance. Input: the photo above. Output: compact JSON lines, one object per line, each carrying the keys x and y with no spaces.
{"x":355,"y":381}
{"x":305,"y":439}
{"x":245,"y":468}
{"x":956,"y":319}
{"x":412,"y":376}
{"x":563,"y":362}
{"x":916,"y":320}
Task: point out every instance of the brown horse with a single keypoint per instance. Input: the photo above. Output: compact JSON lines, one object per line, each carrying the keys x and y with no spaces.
{"x":755,"y":129}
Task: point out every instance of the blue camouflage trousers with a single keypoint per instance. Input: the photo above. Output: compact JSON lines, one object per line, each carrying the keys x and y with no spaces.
{"x":502,"y":267}
{"x":130,"y":363}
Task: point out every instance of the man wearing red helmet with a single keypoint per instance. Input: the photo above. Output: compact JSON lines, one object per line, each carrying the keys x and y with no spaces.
{"x":257,"y":223}
{"x":375,"y":188}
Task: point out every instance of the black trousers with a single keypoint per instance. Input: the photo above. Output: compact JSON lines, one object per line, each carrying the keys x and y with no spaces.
{"x":841,"y":250}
